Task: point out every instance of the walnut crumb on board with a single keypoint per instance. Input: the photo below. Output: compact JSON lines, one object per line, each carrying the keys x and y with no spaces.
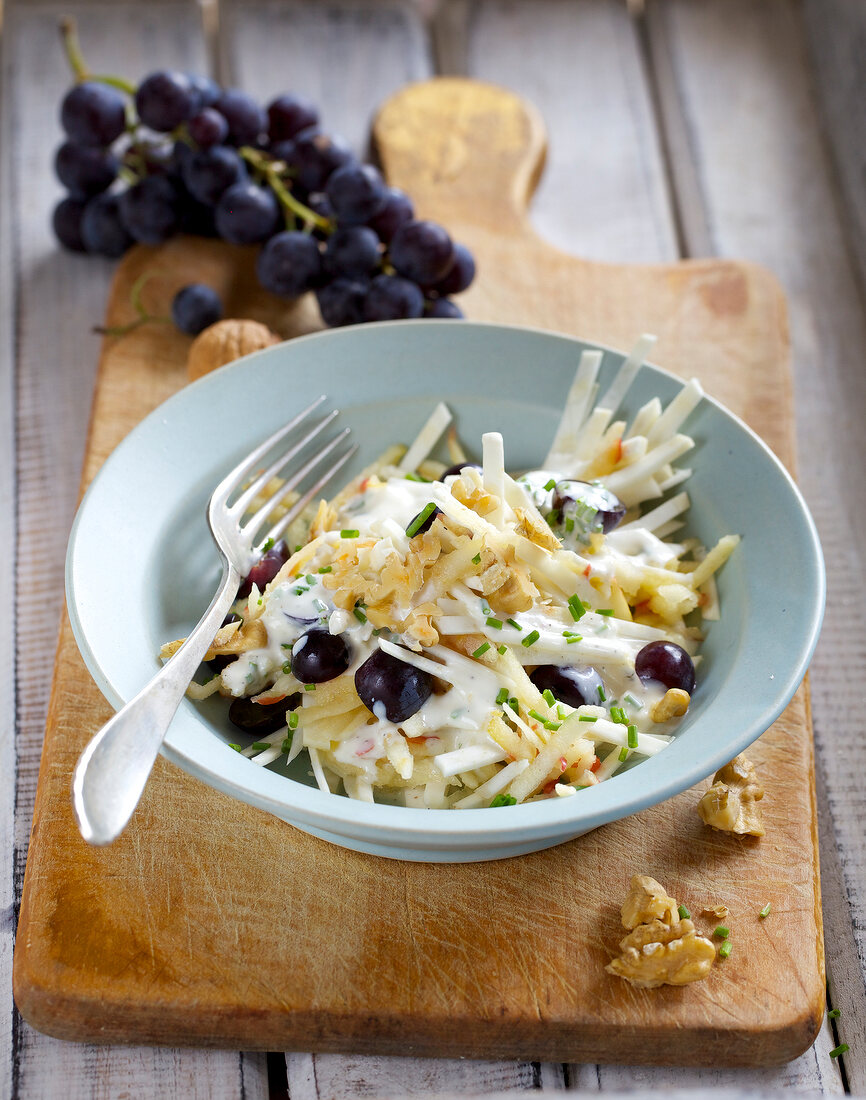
{"x":730,"y":804}
{"x":224,"y":342}
{"x":661,"y":948}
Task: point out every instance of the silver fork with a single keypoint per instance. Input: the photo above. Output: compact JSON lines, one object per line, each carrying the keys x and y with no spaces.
{"x":112,"y":772}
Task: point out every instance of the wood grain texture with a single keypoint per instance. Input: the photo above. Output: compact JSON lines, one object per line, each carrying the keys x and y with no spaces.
{"x":758,"y":112}
{"x":49,"y":355}
{"x":190,"y":925}
{"x":603,"y":193}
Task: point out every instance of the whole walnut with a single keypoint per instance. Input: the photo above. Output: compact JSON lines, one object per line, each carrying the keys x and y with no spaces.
{"x":224,"y":342}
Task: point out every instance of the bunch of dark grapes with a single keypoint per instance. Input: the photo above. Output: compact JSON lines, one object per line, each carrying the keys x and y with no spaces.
{"x":179,"y":154}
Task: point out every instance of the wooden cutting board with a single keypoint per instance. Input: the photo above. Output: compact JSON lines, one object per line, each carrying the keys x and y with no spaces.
{"x":211,"y":923}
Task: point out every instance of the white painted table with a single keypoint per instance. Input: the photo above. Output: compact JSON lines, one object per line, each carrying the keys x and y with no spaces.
{"x":730,"y":127}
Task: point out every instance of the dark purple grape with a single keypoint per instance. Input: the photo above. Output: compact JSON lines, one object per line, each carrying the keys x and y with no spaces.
{"x":315,"y":156}
{"x":352,"y":250}
{"x":319,"y":203}
{"x":165,"y":99}
{"x":93,"y":114}
{"x":205,"y":91}
{"x":290,"y":264}
{"x":342,"y":301}
{"x":459,"y":275}
{"x":85,"y":170}
{"x":426,"y":525}
{"x":572,"y":498}
{"x":319,"y":656}
{"x":391,"y":298}
{"x":66,"y":222}
{"x":262,"y":718}
{"x":197,"y":218}
{"x":265,"y":569}
{"x":102,"y":228}
{"x":443,"y":309}
{"x":208,"y":128}
{"x":149,"y":210}
{"x":209,"y":172}
{"x":398,"y":210}
{"x":667,"y":663}
{"x":421,"y":251}
{"x":247,"y":214}
{"x":357,"y":193}
{"x":195,"y":307}
{"x":390,"y":688}
{"x":246,"y":119}
{"x":569,"y":684}
{"x":288,"y":114}
{"x":457,"y":468}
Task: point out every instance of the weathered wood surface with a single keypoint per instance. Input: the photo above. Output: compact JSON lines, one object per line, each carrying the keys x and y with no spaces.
{"x":786,"y":235}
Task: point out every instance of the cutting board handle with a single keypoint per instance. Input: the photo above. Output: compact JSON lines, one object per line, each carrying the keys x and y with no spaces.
{"x":474,"y":149}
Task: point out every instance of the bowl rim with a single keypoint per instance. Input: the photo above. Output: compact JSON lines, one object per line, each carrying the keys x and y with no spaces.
{"x":472,"y":826}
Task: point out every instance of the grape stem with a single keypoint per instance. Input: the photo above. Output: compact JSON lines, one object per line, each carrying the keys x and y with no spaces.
{"x":72,"y":49}
{"x":144,"y":316}
{"x":287,"y":200}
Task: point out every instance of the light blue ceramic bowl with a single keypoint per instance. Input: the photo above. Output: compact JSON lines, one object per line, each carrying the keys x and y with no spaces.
{"x":141,"y":565}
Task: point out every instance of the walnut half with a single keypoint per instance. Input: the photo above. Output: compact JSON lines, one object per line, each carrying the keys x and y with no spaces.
{"x":730,"y":804}
{"x":224,"y":342}
{"x":660,"y":948}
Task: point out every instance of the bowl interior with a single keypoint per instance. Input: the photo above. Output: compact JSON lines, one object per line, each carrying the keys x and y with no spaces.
{"x":142,"y":567}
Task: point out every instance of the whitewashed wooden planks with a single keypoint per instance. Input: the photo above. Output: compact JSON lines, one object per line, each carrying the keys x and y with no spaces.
{"x":603,"y":194}
{"x":737,"y":74}
{"x":49,"y":349}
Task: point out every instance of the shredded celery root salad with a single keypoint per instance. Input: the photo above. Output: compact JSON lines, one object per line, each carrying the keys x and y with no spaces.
{"x":463,"y":638}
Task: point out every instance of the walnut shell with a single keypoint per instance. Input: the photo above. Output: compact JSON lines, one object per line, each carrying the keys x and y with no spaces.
{"x":224,"y":342}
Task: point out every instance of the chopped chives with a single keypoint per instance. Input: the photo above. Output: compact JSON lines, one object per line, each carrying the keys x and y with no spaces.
{"x":538,"y":717}
{"x":842,"y":1048}
{"x":550,"y":485}
{"x":574,"y":639}
{"x":632,"y":737}
{"x":422,"y":517}
{"x":232,"y":745}
{"x":530,"y":639}
{"x":588,"y":718}
{"x":477,"y":559}
{"x":481,"y":650}
{"x":500,"y":649}
{"x":349,"y":533}
{"x":601,"y":693}
{"x":683,"y":912}
{"x":285,"y":645}
{"x":632,"y":702}
{"x":418,"y":477}
{"x":552,"y":726}
{"x":569,"y":524}
{"x":495,"y":623}
{"x":834,"y":1013}
{"x":293,"y":720}
{"x":326,"y":569}
{"x":623,"y":755}
{"x":516,"y":625}
{"x":722,"y":932}
{"x":269,"y":545}
{"x":765,"y":912}
{"x":575,"y":606}
{"x":287,"y":667}
{"x":309,"y":687}
{"x":310,"y":580}
{"x":503,"y":800}
{"x":514,"y":704}
{"x":286,"y":745}
{"x":725,"y":950}
{"x":502,"y":696}
{"x":605,"y":611}
{"x":617,"y":714}
{"x":260,"y":746}
{"x":298,"y":547}
{"x":359,"y":615}
{"x":548,"y":697}
{"x":300,"y":591}
{"x":581,"y":786}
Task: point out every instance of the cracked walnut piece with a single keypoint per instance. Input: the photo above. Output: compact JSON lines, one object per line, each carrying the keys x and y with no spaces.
{"x":660,"y":948}
{"x":730,"y":805}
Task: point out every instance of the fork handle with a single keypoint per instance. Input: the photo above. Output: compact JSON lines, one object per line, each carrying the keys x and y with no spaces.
{"x":112,"y":772}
